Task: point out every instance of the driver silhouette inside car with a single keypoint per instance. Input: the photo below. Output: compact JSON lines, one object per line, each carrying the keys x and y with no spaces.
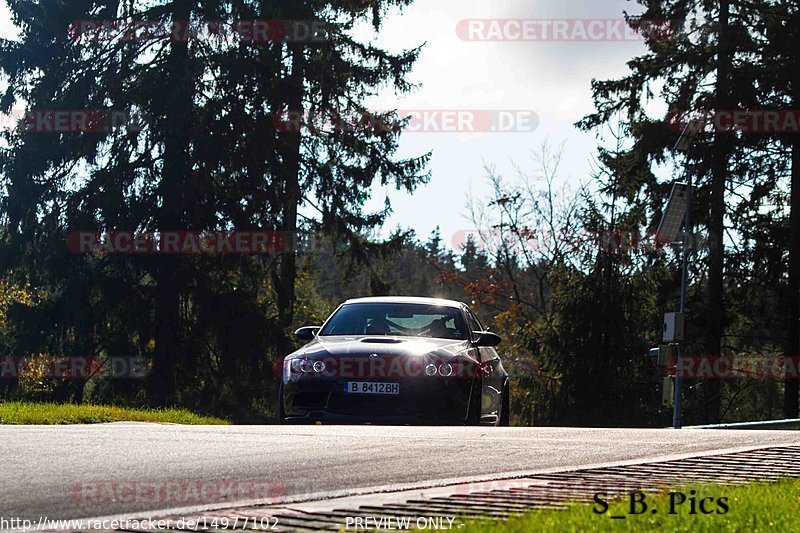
{"x":378,"y":326}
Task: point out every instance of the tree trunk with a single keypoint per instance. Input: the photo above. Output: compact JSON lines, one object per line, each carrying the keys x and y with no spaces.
{"x":790,"y":408}
{"x":169,"y":344}
{"x":287,"y":271}
{"x":716,"y":227}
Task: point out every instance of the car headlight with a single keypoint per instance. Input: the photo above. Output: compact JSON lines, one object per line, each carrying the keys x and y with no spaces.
{"x":445,"y":370}
{"x":305,"y":366}
{"x":431,"y":370}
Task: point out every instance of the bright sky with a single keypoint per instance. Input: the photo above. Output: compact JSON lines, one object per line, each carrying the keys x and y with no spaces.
{"x":550,"y":79}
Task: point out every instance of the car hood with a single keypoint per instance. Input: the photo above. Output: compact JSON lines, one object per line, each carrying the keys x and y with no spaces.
{"x":387,"y":346}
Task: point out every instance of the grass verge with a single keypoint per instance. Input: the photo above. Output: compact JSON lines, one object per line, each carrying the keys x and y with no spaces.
{"x":57,"y":413}
{"x":750,"y":508}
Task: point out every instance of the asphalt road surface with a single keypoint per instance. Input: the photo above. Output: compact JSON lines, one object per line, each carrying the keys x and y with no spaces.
{"x":111,"y":469}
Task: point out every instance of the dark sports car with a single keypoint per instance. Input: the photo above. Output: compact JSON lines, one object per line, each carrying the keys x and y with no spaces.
{"x":396,"y":360}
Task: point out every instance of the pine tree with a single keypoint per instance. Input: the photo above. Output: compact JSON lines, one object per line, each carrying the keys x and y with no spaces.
{"x":712,"y":61}
{"x":208,"y":153}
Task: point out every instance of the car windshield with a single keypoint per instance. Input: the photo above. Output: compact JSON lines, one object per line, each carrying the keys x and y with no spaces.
{"x":418,"y":320}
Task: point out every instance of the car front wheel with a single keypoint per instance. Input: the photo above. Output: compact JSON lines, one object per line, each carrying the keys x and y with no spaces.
{"x":281,"y":412}
{"x":505,"y":410}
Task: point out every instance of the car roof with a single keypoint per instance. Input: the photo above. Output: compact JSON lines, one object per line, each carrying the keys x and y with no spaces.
{"x":406,"y":300}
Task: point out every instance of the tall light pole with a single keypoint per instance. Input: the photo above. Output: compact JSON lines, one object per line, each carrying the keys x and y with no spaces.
{"x":668,"y":228}
{"x":682,"y":144}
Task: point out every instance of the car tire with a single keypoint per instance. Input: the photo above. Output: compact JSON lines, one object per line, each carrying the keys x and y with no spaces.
{"x":474,"y":409}
{"x":281,"y":413}
{"x":505,"y":410}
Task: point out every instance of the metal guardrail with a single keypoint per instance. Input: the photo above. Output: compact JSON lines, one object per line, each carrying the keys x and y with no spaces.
{"x":788,"y":423}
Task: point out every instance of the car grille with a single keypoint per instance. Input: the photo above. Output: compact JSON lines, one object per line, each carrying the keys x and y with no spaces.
{"x":310,"y":400}
{"x":370,"y":405}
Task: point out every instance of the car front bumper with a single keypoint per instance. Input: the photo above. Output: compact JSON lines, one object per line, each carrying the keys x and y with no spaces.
{"x":421,"y":401}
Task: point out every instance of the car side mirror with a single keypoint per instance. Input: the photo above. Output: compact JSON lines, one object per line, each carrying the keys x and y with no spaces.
{"x":486,"y":338}
{"x":307,"y":333}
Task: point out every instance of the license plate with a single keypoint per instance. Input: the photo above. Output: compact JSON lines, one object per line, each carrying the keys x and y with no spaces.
{"x":371,"y":387}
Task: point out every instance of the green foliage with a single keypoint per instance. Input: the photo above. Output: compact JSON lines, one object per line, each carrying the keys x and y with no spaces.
{"x":52,"y":413}
{"x":577,"y":311}
{"x":203,"y":153}
{"x":755,"y":507}
{"x":721,"y":56}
